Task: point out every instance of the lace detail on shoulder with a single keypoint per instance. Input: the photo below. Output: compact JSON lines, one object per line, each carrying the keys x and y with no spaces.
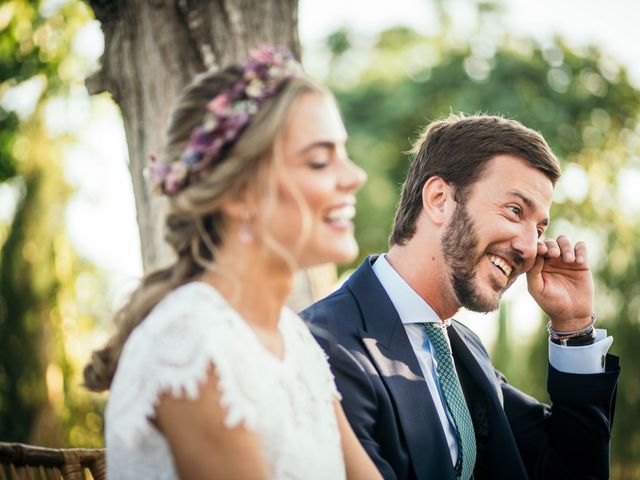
{"x":308,"y":343}
{"x":171,"y":352}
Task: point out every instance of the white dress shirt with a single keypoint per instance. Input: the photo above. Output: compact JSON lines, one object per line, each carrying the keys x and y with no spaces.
{"x":413,"y":310}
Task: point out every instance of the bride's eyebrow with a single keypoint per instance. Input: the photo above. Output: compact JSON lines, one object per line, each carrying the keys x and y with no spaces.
{"x":327,"y":144}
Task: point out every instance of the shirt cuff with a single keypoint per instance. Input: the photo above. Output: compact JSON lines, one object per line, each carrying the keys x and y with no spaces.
{"x":584,"y":359}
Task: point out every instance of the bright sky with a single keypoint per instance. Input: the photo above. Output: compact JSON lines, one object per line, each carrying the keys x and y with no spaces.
{"x":101,"y":217}
{"x":612,"y":25}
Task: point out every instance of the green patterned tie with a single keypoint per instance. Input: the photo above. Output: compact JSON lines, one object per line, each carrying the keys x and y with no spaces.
{"x":452,"y":393}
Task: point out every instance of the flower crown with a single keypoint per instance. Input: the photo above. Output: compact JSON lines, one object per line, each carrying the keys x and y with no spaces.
{"x":227,"y":115}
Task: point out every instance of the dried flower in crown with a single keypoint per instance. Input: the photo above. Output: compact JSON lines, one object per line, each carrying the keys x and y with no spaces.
{"x":227,"y":115}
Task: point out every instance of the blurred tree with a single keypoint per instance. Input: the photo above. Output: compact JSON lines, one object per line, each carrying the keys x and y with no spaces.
{"x":584,"y":106}
{"x":38,"y":382}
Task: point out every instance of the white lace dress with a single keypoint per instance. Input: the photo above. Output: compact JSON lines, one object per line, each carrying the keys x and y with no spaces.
{"x":287,"y":402}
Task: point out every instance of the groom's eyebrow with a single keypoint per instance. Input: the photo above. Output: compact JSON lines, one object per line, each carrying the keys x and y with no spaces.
{"x":526,"y":200}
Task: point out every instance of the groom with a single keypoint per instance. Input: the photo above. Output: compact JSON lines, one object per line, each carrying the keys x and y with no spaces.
{"x":419,"y":388}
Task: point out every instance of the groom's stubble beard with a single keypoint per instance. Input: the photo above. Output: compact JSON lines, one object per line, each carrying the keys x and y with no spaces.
{"x":459,"y":244}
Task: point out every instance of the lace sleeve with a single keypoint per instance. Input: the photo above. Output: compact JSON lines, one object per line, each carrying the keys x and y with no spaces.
{"x":171,"y":352}
{"x":314,"y":350}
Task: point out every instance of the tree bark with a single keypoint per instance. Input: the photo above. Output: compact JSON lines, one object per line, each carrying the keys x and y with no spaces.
{"x":153,"y":48}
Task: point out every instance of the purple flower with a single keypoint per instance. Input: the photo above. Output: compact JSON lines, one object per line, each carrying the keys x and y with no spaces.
{"x":191,"y":156}
{"x":228,"y":113}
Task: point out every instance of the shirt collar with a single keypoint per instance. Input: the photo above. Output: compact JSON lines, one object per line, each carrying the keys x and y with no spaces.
{"x":410,"y":306}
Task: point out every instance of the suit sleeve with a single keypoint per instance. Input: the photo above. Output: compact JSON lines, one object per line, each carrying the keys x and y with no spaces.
{"x":569,"y":439}
{"x":358,"y":400}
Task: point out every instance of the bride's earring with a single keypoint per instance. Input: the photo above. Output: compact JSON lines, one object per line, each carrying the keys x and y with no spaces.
{"x":246,"y":227}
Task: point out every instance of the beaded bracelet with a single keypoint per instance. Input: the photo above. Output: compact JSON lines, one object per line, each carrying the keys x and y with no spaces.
{"x":577,"y":341}
{"x":556,"y":335}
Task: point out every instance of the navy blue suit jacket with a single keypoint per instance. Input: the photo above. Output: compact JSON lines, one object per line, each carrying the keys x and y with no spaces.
{"x":390,"y":409}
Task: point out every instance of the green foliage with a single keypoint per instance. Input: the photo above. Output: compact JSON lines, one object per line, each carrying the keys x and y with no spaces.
{"x":21,"y":52}
{"x":338,"y":42}
{"x":8,"y":127}
{"x":27,"y":288}
{"x":589,"y":113}
{"x":40,"y":397}
{"x":27,"y":393}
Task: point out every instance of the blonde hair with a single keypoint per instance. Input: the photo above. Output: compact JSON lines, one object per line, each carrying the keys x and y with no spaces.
{"x":195,"y":223}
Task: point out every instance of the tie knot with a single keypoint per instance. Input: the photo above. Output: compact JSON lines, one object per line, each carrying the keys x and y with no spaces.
{"x":435,"y":326}
{"x":437,"y":335}
{"x":438,"y":338}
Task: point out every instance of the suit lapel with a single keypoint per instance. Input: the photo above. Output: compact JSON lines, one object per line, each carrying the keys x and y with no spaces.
{"x":386,"y":341}
{"x":482,"y":372}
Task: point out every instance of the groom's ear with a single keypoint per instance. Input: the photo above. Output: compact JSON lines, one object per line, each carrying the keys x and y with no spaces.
{"x":437,"y":200}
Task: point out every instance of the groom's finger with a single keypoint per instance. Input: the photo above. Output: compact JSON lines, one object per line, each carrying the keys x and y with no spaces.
{"x":566,"y":248}
{"x":553,"y":251}
{"x":542,"y":248}
{"x":581,"y":252}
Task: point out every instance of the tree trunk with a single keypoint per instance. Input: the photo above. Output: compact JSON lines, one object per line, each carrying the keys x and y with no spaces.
{"x":153,"y":48}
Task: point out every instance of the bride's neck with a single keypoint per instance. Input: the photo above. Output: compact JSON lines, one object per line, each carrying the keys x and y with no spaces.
{"x":256,"y":285}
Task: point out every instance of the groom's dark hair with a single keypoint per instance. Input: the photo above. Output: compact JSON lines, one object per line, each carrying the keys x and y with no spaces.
{"x":457,"y":149}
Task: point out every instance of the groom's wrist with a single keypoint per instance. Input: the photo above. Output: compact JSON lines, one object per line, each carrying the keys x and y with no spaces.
{"x":583,"y":335}
{"x":569,"y":326}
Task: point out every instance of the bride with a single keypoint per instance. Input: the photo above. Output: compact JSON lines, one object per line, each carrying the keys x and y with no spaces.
{"x":210,"y":375}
